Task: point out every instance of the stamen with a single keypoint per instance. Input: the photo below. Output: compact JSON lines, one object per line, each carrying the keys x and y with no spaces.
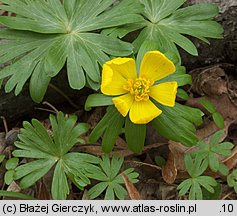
{"x":140,"y":88}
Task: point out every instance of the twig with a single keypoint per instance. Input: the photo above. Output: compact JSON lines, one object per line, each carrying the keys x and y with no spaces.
{"x":5,"y":124}
{"x":51,"y":106}
{"x":46,"y":110}
{"x":227,"y":195}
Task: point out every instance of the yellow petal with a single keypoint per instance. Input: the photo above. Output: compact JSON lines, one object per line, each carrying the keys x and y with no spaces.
{"x":125,"y":66}
{"x":143,"y":112}
{"x":123,"y":103}
{"x":115,"y":74}
{"x":112,"y":82}
{"x":156,"y":66}
{"x":164,"y":93}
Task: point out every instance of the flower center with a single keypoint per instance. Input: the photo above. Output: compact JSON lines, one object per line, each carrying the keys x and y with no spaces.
{"x":140,"y":88}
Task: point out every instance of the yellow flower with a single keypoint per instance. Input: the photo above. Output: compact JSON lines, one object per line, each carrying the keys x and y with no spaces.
{"x":119,"y":78}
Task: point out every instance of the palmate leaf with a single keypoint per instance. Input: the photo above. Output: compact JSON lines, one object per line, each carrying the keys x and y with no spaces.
{"x":196,"y":183}
{"x":166,"y":23}
{"x":46,"y":34}
{"x":47,"y":151}
{"x":111,"y":180}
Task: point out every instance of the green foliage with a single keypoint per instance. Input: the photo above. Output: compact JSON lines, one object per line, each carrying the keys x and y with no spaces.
{"x":209,"y":106}
{"x":217,"y":117}
{"x":110,"y":179}
{"x":194,"y":185}
{"x":232,"y":180}
{"x":2,"y":157}
{"x":49,"y":150}
{"x":11,"y":165}
{"x":182,"y":94}
{"x":160,"y":161}
{"x":212,"y":151}
{"x":47,"y":34}
{"x":15,"y":195}
{"x":178,"y":123}
{"x":213,"y":196}
{"x":166,"y":23}
{"x":109,"y":128}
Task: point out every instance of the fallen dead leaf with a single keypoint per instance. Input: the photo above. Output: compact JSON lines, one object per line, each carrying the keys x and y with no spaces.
{"x":96,"y":149}
{"x":212,"y":80}
{"x":137,"y":164}
{"x":132,"y":190}
{"x":169,"y":171}
{"x":42,"y":191}
{"x":231,"y":162}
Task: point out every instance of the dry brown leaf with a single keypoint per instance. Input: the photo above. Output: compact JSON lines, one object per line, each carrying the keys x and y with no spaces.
{"x":222,"y":103}
{"x":212,"y":80}
{"x":96,"y":149}
{"x":137,"y":164}
{"x":169,"y":171}
{"x":85,"y":195}
{"x":231,"y":162}
{"x":132,"y":190}
{"x":209,"y":129}
{"x":42,"y":191}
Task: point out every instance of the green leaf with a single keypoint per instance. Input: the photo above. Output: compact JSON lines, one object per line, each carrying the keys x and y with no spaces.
{"x":51,"y":149}
{"x":218,"y":119}
{"x":34,"y":176}
{"x":2,"y":157}
{"x":195,"y":191}
{"x":223,"y":169}
{"x":232,"y":179}
{"x":75,"y":72}
{"x":135,"y":135}
{"x":223,"y":148}
{"x":96,"y":190}
{"x":12,"y":163}
{"x":39,"y":82}
{"x":215,"y":139}
{"x":96,"y":100}
{"x":120,"y":192}
{"x":111,"y":180}
{"x":207,"y":182}
{"x":189,"y":164}
{"x":166,"y":24}
{"x":176,"y":123}
{"x":179,"y":39}
{"x":184,"y":187}
{"x":15,"y":195}
{"x":181,"y":79}
{"x":213,"y":162}
{"x":9,"y":177}
{"x":45,"y":35}
{"x":213,"y":196}
{"x":157,"y":10}
{"x":109,"y":195}
{"x":56,"y":55}
{"x":196,"y":166}
{"x":60,"y":188}
{"x":111,"y":132}
{"x":209,"y":106}
{"x":182,"y":94}
{"x":103,"y":124}
{"x":160,"y":161}
{"x":30,"y":167}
